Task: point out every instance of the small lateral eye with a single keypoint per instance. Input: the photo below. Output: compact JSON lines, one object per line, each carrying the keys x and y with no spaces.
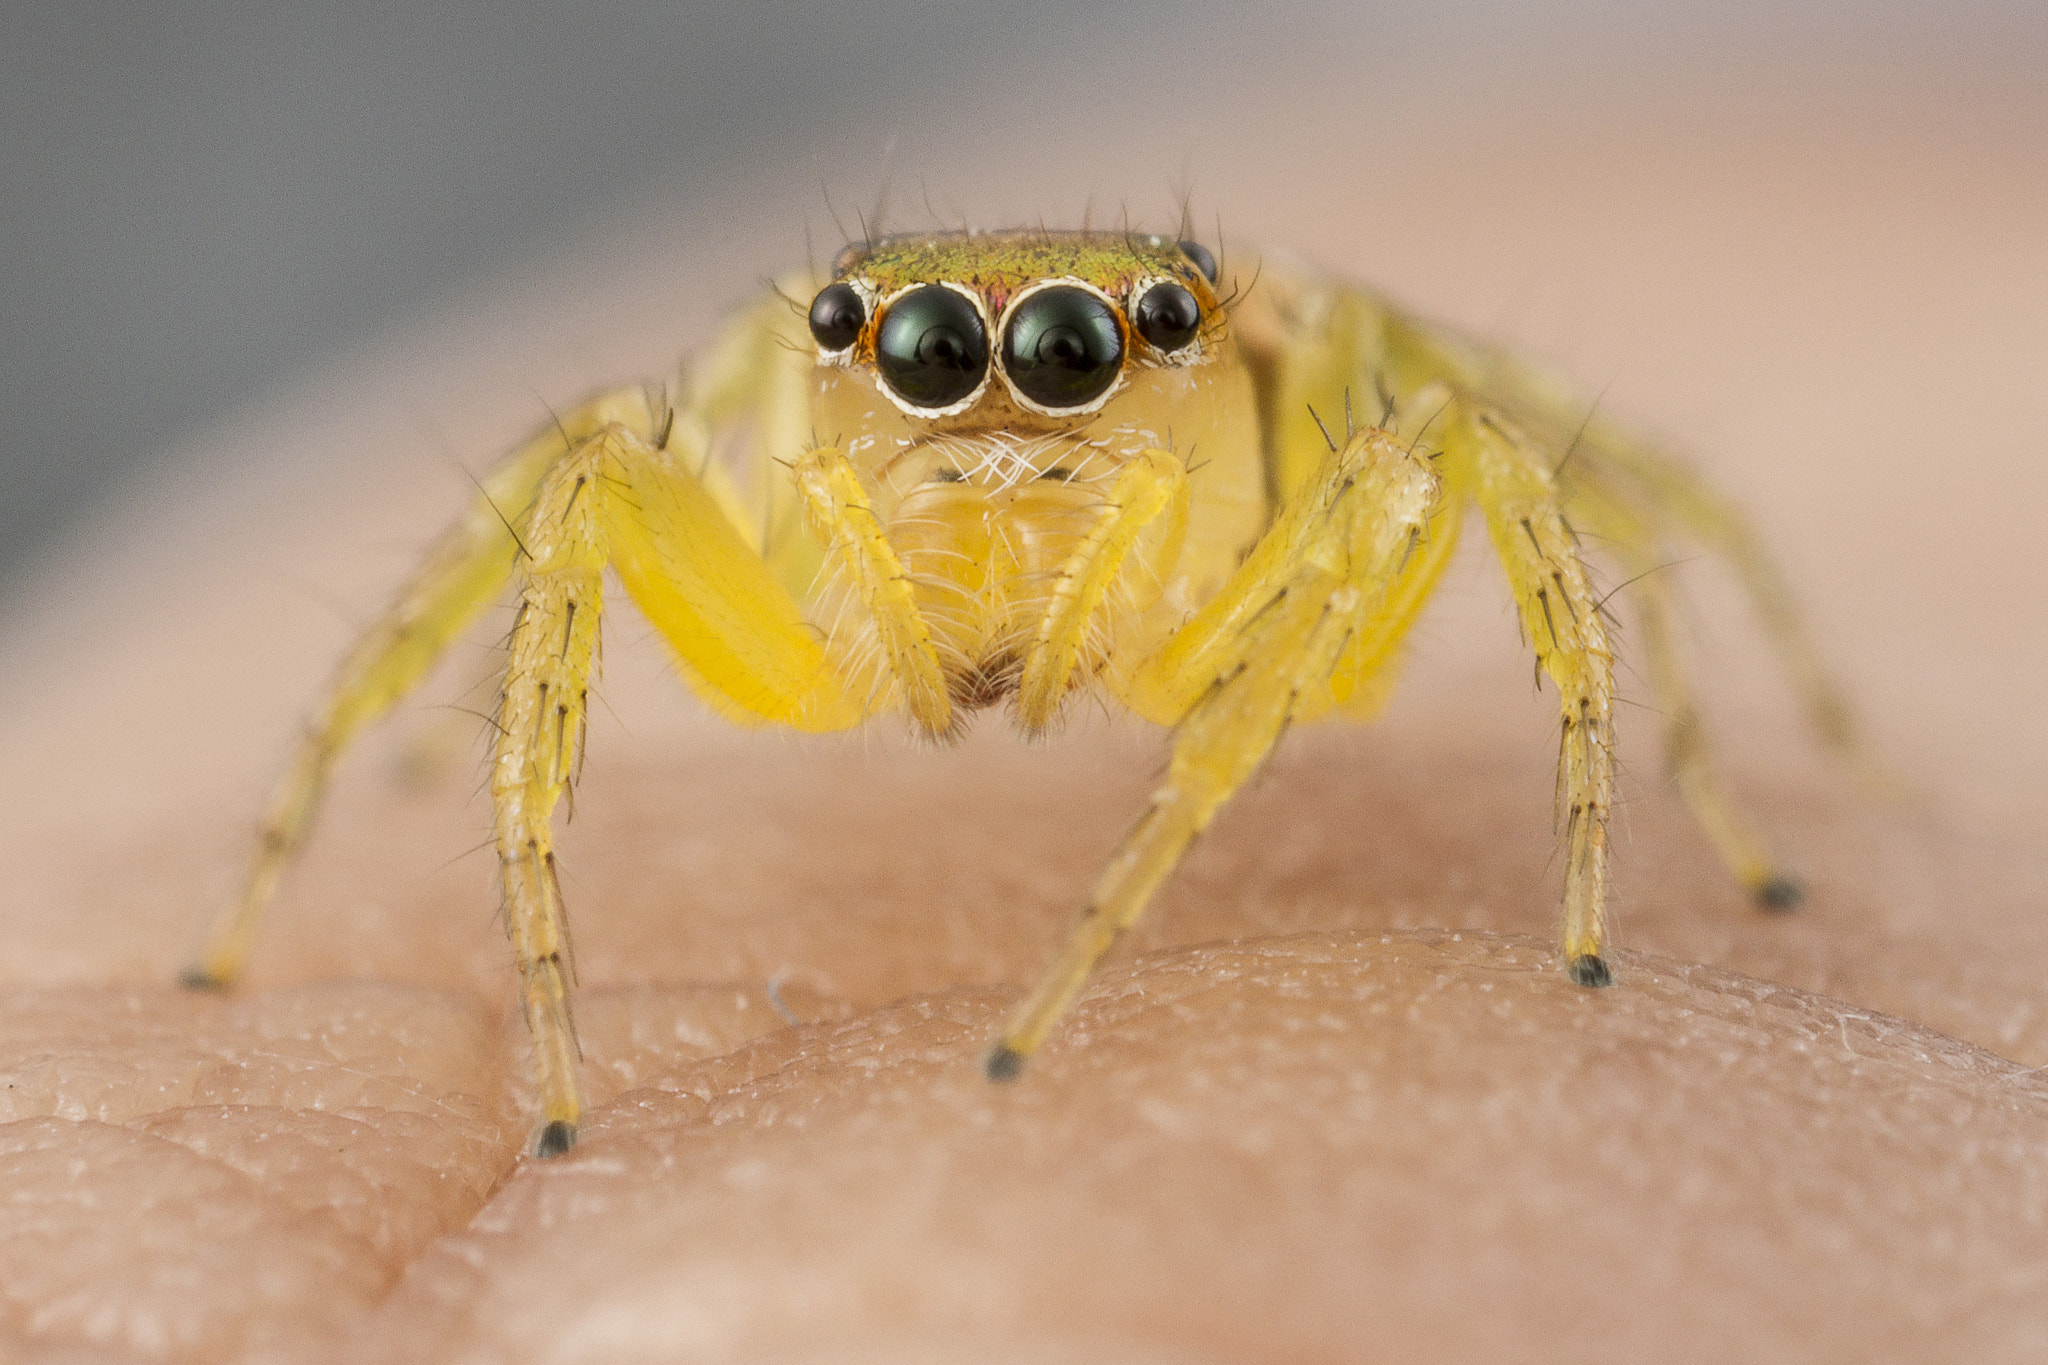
{"x":1168,"y":316}
{"x":837,"y":315}
{"x":1204,"y":259}
{"x":1062,"y":347}
{"x":932,"y":349}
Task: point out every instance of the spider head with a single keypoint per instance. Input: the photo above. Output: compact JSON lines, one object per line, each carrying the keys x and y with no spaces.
{"x":1023,"y":331}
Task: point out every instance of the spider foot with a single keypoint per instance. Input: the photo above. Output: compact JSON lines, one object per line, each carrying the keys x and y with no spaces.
{"x":556,"y":1138}
{"x":1779,"y":893}
{"x":1589,"y":969}
{"x":1004,"y":1063}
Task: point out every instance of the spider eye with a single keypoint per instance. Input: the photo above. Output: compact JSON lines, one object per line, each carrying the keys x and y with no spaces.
{"x":1204,"y":259}
{"x":931,"y":349}
{"x":1168,"y":316}
{"x":837,"y":315}
{"x":1062,"y":347}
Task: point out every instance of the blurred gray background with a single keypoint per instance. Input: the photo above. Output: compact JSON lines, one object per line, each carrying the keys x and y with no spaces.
{"x":199,"y":201}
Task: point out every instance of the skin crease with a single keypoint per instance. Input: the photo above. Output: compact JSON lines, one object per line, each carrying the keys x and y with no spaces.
{"x":1332,"y":1101}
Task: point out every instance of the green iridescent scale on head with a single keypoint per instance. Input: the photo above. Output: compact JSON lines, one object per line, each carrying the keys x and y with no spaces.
{"x":998,"y":264}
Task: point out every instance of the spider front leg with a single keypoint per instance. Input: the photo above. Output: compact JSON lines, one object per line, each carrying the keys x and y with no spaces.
{"x":751,"y":377}
{"x":619,"y":501}
{"x":540,"y":729}
{"x":610,"y":485}
{"x":1514,"y":486}
{"x":1255,"y":659}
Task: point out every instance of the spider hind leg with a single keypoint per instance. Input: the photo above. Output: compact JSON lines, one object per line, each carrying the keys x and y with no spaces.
{"x":1637,"y":537}
{"x":1688,"y":755}
{"x":465,"y":572}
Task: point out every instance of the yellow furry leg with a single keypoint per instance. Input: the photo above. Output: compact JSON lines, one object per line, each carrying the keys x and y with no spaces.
{"x":1148,"y":486}
{"x":839,"y":515}
{"x":1595,"y":510}
{"x":463,"y":573}
{"x":736,"y":631}
{"x":1683,"y":504}
{"x":1322,"y":572}
{"x":1364,"y":678}
{"x":540,"y":736}
{"x":1513,"y":485}
{"x":754,"y":386}
{"x":1686,"y":751}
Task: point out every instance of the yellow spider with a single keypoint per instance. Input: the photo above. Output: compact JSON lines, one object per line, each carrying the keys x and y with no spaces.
{"x":1013,"y":466}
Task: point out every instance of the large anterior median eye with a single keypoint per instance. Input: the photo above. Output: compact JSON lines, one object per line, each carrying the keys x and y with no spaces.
{"x":1062,"y":347}
{"x":931,"y":349}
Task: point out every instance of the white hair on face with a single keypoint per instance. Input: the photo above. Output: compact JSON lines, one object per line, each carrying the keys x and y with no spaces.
{"x":1003,"y":460}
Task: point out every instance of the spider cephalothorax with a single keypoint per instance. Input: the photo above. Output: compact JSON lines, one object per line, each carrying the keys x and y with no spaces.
{"x":992,"y":392}
{"x":978,"y":468}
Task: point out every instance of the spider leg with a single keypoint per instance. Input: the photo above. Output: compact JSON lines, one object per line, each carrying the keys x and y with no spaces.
{"x":750,"y":380}
{"x":1683,"y":504}
{"x":754,"y":383}
{"x":617,"y":500}
{"x":1364,"y":678}
{"x":1513,"y":483}
{"x":1152,"y":484}
{"x":1320,"y":345}
{"x":841,"y":518}
{"x":1252,"y":660}
{"x":541,"y":720}
{"x":626,"y":482}
{"x":1325,"y":353}
{"x":463,"y":573}
{"x":1595,"y":509}
{"x":1687,"y":750}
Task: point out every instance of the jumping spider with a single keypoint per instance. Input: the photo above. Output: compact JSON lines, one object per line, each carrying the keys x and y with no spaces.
{"x":1057,"y":461}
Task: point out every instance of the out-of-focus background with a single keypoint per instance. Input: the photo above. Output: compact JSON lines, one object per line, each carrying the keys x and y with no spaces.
{"x":200,"y":201}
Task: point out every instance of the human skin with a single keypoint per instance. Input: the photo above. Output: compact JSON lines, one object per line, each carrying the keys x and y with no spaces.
{"x":1333,"y":1101}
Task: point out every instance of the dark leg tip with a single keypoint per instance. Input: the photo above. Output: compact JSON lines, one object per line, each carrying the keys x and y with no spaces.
{"x":199,"y":979}
{"x":1589,"y":969}
{"x":556,"y":1138}
{"x":1780,"y":894}
{"x":1004,"y":1063}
